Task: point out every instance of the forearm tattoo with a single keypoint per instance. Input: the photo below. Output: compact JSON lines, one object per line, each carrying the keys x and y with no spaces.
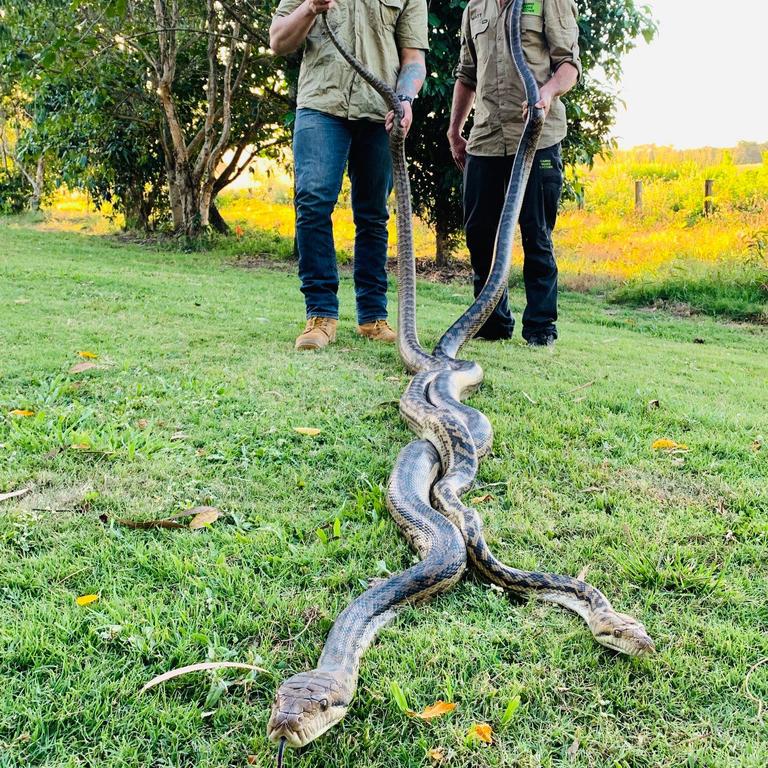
{"x":411,"y":78}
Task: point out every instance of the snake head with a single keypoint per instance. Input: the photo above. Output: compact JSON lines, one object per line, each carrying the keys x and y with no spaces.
{"x":306,"y":706}
{"x":622,"y":633}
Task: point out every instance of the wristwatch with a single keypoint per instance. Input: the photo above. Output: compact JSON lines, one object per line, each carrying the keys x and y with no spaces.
{"x":405,"y":97}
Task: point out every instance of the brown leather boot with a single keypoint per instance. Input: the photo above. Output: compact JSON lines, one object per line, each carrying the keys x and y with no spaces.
{"x":378,"y":330}
{"x":318,"y":333}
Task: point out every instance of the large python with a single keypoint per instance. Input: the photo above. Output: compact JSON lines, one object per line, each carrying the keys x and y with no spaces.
{"x":431,"y":473}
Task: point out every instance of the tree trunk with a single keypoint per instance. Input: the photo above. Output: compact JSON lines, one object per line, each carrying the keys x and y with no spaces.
{"x":216,"y":220}
{"x":443,"y":247}
{"x":136,"y":210}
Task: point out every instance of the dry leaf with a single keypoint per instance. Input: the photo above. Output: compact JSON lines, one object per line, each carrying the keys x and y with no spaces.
{"x":252,"y":759}
{"x":204,"y":516}
{"x":757,"y":444}
{"x":573,"y":749}
{"x":142,"y":423}
{"x":81,"y":446}
{"x":482,"y":732}
{"x":438,"y":709}
{"x":653,"y":405}
{"x":309,"y":431}
{"x":21,"y":412}
{"x":80,"y":367}
{"x":86,"y":599}
{"x":88,"y":355}
{"x":436,"y":754}
{"x":668,"y":445}
{"x":206,"y":665}
{"x":15,"y":494}
{"x":179,"y":436}
{"x":481,"y":499}
{"x":21,"y":300}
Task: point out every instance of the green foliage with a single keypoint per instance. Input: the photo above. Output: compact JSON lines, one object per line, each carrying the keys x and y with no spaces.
{"x":739,"y":291}
{"x":609,"y":29}
{"x":14,"y":192}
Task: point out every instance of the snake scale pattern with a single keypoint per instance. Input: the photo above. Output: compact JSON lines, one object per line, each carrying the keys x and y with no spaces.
{"x":434,"y":471}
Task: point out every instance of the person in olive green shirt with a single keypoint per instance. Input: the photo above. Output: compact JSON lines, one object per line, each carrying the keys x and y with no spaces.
{"x":342,"y":122}
{"x":486,"y":78}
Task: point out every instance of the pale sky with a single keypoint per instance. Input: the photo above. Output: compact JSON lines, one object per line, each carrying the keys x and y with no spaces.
{"x":703,"y":81}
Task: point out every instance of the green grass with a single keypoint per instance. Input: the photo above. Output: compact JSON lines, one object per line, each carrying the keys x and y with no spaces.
{"x":190,"y":344}
{"x":738,"y":292}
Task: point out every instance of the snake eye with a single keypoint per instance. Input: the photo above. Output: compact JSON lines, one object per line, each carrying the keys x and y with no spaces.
{"x":617,"y":633}
{"x":324,"y":705}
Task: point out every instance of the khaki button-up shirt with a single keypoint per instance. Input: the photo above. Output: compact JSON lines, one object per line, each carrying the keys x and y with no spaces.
{"x":550,"y":37}
{"x":375,"y":31}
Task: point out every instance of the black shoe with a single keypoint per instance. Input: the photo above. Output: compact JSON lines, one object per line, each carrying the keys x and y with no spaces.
{"x":486,"y":336}
{"x":494,"y":334}
{"x":542,"y":340}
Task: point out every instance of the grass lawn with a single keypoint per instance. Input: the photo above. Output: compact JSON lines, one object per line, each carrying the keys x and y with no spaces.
{"x":195,"y":401}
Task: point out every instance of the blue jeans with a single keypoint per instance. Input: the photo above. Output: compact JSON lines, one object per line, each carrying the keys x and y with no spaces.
{"x":323,"y":146}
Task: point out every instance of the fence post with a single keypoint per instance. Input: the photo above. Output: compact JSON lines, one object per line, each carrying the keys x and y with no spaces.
{"x":709,"y":192}
{"x":638,"y":196}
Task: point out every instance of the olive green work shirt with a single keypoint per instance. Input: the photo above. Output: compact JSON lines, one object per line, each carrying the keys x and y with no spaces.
{"x":550,"y":37}
{"x":375,"y":31}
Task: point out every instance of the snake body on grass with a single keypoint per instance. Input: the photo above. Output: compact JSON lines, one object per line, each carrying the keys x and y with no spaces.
{"x":432,"y":473}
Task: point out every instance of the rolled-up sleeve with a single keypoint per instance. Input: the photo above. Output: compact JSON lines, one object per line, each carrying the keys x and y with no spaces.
{"x":466,"y":69}
{"x":287,"y":7}
{"x":562,"y":31}
{"x":411,"y":30}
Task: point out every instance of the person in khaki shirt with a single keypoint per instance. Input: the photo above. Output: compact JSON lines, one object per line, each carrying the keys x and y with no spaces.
{"x":341,"y":122}
{"x":486,"y":78}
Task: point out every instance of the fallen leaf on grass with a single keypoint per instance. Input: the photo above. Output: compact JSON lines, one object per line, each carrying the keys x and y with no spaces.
{"x":88,"y":355}
{"x":252,"y":759}
{"x":438,"y":709}
{"x":84,"y":366}
{"x":15,"y":494}
{"x":436,"y":755}
{"x":481,"y":499}
{"x":573,"y":749}
{"x":86,"y":599}
{"x":204,"y":516}
{"x":654,"y":404}
{"x":22,"y":412}
{"x":668,"y":445}
{"x":179,"y":436}
{"x":142,"y":423}
{"x":481,"y":732}
{"x":81,"y":446}
{"x":309,"y":431}
{"x":757,"y":444}
{"x":206,"y":665}
{"x":21,"y":300}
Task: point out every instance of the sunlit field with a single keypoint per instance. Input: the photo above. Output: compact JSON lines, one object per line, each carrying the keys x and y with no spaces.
{"x":609,"y":240}
{"x":667,"y":250}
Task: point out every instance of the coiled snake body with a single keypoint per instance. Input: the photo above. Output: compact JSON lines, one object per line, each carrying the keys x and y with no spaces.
{"x":431,"y":473}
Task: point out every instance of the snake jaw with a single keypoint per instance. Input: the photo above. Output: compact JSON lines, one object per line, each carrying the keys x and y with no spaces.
{"x":305,"y":707}
{"x":623,"y":633}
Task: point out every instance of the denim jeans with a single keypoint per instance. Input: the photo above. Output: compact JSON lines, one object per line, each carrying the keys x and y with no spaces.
{"x":323,"y":146}
{"x":485,"y":185}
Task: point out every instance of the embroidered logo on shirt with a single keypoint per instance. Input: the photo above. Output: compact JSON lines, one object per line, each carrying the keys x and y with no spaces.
{"x":546,"y":164}
{"x":533,"y":7}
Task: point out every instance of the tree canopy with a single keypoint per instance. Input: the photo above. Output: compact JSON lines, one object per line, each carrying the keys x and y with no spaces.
{"x":157,"y":105}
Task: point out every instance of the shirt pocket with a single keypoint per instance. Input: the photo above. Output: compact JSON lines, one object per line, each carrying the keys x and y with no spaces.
{"x":390,"y":13}
{"x":478,"y":28}
{"x":531,"y":22}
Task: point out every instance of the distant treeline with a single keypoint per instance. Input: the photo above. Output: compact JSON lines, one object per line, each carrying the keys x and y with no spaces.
{"x":744,"y":153}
